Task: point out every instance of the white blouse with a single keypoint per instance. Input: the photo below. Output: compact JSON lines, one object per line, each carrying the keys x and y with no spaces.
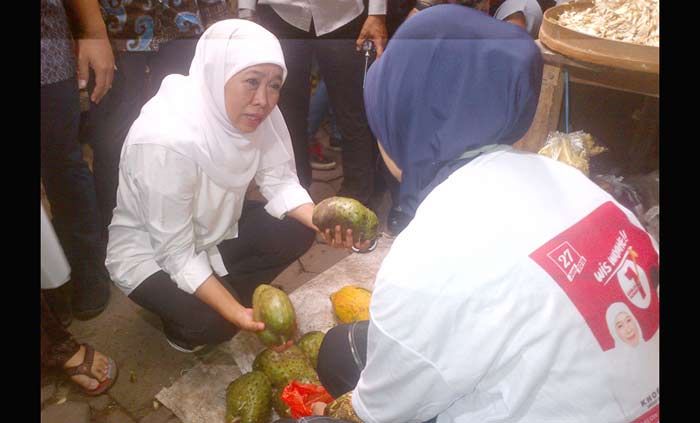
{"x":327,"y":16}
{"x":171,"y":216}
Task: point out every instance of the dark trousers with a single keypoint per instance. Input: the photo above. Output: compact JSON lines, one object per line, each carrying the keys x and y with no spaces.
{"x":341,"y":358}
{"x":57,"y":344}
{"x":70,"y":188}
{"x":106,"y":124}
{"x":343,"y":70}
{"x":264,"y":248}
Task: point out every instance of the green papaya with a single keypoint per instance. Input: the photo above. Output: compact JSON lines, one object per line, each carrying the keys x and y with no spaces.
{"x":249,"y":399}
{"x":272,"y":307}
{"x":349,"y":214}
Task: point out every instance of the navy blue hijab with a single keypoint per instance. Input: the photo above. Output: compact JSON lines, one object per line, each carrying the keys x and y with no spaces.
{"x":452,"y":79}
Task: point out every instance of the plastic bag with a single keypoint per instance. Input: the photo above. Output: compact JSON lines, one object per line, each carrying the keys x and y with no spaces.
{"x":639,"y":193}
{"x":574,"y":149}
{"x":625,"y":193}
{"x":300,"y":396}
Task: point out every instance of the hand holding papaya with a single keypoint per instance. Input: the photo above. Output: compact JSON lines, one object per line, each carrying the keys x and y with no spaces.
{"x":336,"y":215}
{"x":243,"y":318}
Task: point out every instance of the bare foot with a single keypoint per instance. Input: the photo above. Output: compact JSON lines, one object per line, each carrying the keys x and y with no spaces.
{"x":100,"y":368}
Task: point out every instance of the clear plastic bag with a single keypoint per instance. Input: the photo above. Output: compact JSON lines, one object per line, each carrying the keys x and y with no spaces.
{"x":574,"y":149}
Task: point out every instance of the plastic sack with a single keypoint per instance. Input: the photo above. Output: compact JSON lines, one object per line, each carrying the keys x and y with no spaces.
{"x":574,"y":149}
{"x":625,"y":193}
{"x":639,"y":194}
{"x":301,"y":396}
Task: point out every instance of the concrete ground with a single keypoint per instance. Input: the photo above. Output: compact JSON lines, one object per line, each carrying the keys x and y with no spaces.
{"x":147,"y":364}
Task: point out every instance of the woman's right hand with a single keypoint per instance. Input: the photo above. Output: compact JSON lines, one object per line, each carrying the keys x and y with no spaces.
{"x":243,"y":318}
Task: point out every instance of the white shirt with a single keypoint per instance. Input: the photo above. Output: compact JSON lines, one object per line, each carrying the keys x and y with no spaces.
{"x":529,"y":8}
{"x":327,"y":15}
{"x":473,"y":320}
{"x":170,"y":216}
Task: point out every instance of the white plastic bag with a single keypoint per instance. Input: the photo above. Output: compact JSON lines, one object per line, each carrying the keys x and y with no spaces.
{"x":55,"y":270}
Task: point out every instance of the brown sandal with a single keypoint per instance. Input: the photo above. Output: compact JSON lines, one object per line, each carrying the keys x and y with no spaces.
{"x":85,"y":369}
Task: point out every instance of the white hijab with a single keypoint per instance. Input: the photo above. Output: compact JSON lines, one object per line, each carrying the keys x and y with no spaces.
{"x":634,"y":369}
{"x":188,"y":114}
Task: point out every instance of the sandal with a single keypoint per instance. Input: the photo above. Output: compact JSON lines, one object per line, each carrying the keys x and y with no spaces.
{"x":85,"y":369}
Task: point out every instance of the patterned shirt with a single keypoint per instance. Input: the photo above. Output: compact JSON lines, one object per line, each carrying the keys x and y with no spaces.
{"x":141,"y":25}
{"x":57,"y":56}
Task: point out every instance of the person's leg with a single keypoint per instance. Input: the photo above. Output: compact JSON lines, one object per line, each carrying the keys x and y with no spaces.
{"x":294,"y":97}
{"x":108,"y":122}
{"x":335,"y":137}
{"x":264,"y":248}
{"x":187,"y":321}
{"x":60,"y":349}
{"x":342,"y":356}
{"x":70,"y":189}
{"x":343,"y":71}
{"x":57,"y":344}
{"x":318,"y":108}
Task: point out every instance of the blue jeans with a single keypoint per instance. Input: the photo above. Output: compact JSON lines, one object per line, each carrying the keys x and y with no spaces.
{"x":319,"y":106}
{"x":70,"y":188}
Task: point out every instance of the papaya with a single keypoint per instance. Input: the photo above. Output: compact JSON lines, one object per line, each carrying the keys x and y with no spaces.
{"x":273,"y":307}
{"x":351,"y":303}
{"x":349,"y":214}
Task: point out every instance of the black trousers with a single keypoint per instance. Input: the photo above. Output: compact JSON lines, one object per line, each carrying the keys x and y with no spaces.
{"x":341,"y":358}
{"x":264,"y":248}
{"x":343,"y":69}
{"x":70,"y":188}
{"x":106,"y":124}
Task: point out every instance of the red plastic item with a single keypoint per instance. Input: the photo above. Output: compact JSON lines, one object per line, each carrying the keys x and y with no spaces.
{"x":300,"y":396}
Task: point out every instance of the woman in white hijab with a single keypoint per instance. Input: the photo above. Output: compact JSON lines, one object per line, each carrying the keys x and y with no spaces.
{"x":182,"y":243}
{"x":634,"y":361}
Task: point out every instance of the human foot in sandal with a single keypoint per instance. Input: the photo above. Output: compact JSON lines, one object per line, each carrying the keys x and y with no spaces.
{"x":91,"y":370}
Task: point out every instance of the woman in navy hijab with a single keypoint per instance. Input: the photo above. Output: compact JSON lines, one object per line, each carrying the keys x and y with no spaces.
{"x":456,"y":81}
{"x":488,"y":306}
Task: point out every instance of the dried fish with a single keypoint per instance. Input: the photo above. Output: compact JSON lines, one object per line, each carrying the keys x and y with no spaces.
{"x":632,"y":21}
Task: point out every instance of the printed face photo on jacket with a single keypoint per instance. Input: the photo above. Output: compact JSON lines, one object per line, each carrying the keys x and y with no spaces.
{"x":623,"y":326}
{"x":251,"y":94}
{"x":626,"y":328}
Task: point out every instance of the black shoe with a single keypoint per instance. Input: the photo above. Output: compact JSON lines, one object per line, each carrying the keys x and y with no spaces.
{"x":90,"y":292}
{"x":397,"y":220}
{"x":183,"y":347}
{"x":179,"y":344}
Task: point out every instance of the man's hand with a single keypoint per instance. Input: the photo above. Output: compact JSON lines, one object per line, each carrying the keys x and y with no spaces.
{"x":95,"y":53}
{"x":374,"y":29}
